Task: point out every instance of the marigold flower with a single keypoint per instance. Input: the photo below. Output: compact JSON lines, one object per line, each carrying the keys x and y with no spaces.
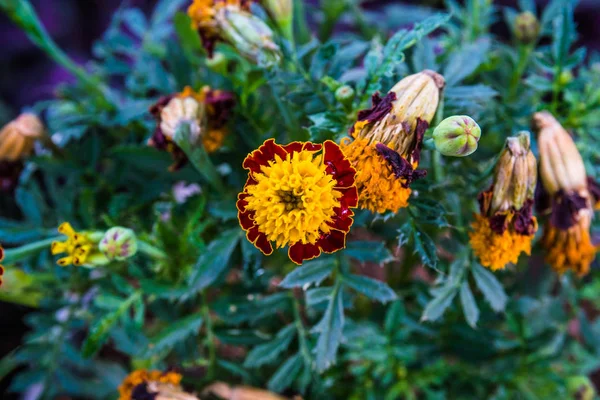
{"x":298,"y":195}
{"x":1,"y":267}
{"x":143,"y":384}
{"x":387,"y":141}
{"x":505,"y":226}
{"x":206,"y":112}
{"x":567,"y":195}
{"x":17,"y":139}
{"x":81,"y":247}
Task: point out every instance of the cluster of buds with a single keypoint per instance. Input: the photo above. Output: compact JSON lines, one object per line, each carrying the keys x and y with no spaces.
{"x":231,"y":21}
{"x":387,"y":141}
{"x":567,"y":195}
{"x":91,"y":249}
{"x":17,"y":140}
{"x":505,"y":226}
{"x":205,"y":113}
{"x":457,"y":136}
{"x":156,"y":385}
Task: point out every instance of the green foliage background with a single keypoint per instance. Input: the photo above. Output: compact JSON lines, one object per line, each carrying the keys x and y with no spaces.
{"x":434,"y":325}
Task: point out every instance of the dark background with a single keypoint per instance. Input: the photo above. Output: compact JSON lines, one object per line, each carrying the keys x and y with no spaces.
{"x":27,"y":75}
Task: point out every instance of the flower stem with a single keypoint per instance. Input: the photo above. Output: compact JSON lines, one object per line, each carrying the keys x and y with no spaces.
{"x":19,"y":253}
{"x":438,"y":172}
{"x":151,"y":251}
{"x":210,"y":340}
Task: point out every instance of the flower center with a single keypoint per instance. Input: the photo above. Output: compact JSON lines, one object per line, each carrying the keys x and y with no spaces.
{"x":294,"y":198}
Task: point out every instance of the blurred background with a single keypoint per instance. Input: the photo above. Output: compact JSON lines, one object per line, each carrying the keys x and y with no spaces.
{"x":28,"y":76}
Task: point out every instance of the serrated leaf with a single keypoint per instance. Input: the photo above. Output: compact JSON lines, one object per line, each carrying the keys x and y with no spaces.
{"x":330,"y":330}
{"x":312,"y":272}
{"x":99,"y":332}
{"x":174,"y":333}
{"x":423,"y":245}
{"x":469,"y":305}
{"x":490,"y":287}
{"x":438,"y":305}
{"x":465,"y":61}
{"x":268,"y":352}
{"x":371,"y":288}
{"x":286,"y":374}
{"x":365,"y":251}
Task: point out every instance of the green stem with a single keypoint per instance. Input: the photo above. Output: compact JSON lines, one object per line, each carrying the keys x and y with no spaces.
{"x":524,"y":56}
{"x":151,"y":251}
{"x":438,"y":172}
{"x":301,"y":331}
{"x":210,"y":340}
{"x":19,"y":253}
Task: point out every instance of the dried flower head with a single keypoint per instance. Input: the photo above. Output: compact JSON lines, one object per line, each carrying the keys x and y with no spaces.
{"x":505,"y":226}
{"x":567,"y":195}
{"x":299,"y":195}
{"x":387,"y":141}
{"x":205,"y":112}
{"x":81,"y":248}
{"x":156,"y":385}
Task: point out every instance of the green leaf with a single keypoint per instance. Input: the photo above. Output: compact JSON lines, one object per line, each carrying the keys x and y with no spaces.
{"x":99,"y":332}
{"x":189,"y":39}
{"x":490,"y":287}
{"x":311,"y":272}
{"x":465,"y":61}
{"x":174,"y":333}
{"x":214,"y":260}
{"x":371,"y":288}
{"x":468,"y":305}
{"x":268,"y":352}
{"x":286,"y":374}
{"x":438,"y":305}
{"x":366,"y":251}
{"x":330,"y":328}
{"x":424,"y":246}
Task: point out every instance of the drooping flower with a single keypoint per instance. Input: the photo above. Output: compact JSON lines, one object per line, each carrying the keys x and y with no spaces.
{"x":298,"y":195}
{"x":153,"y":385}
{"x":230,"y":21}
{"x":387,"y":141}
{"x":505,"y":226}
{"x":1,"y":267}
{"x":568,"y":195}
{"x":81,"y":248}
{"x":206,"y":113}
{"x":17,"y":139}
{"x":118,"y":243}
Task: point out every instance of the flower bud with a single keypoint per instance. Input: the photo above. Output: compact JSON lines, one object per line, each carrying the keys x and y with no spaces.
{"x":17,"y":137}
{"x":345,"y":95}
{"x":457,"y":136}
{"x":119,"y":243}
{"x":182,"y":110}
{"x":527,"y":27}
{"x":580,"y":388}
{"x":249,"y":35}
{"x":282,"y":13}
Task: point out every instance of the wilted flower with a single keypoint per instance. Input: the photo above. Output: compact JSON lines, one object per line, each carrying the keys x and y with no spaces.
{"x":16,"y":144}
{"x":299,"y":195}
{"x":527,"y":27}
{"x":81,"y":248}
{"x":1,"y":267}
{"x":206,"y":113}
{"x":457,"y":136}
{"x":505,"y":226}
{"x":119,"y":243}
{"x":387,"y":141}
{"x":155,"y":385}
{"x":230,"y":21}
{"x":228,"y":392}
{"x":568,"y":195}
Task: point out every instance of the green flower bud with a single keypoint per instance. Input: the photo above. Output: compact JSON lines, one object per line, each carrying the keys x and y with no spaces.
{"x":527,"y":27}
{"x":345,"y":95}
{"x":249,"y":35}
{"x":580,"y":388}
{"x":119,"y":243}
{"x":457,"y":136}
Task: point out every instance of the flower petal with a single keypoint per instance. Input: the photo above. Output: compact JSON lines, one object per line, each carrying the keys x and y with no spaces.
{"x":338,"y":165}
{"x":263,"y":155}
{"x":299,"y":252}
{"x":349,"y":197}
{"x":259,"y":240}
{"x":332,"y":242}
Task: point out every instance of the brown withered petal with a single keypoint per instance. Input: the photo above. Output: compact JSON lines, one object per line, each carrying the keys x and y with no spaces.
{"x":498,"y":223}
{"x":220,"y":105}
{"x":523,"y":221}
{"x":401,"y":167}
{"x":379,"y":109}
{"x":565,"y":207}
{"x":542,"y":199}
{"x":594,"y":188}
{"x":419,"y":133}
{"x":141,"y":392}
{"x":157,"y":107}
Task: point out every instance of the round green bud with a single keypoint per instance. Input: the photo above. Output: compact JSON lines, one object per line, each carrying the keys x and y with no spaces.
{"x":565,"y":78}
{"x":580,"y":388}
{"x":344,"y":94}
{"x":457,"y":136}
{"x":119,"y":243}
{"x":527,"y":27}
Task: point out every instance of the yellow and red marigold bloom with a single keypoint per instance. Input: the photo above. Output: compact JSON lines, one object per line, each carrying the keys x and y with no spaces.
{"x":505,"y":226}
{"x":206,"y":112}
{"x":81,"y":247}
{"x":143,"y":385}
{"x":387,"y":138}
{"x":17,"y":139}
{"x":1,"y":267}
{"x":568,"y":195}
{"x":298,"y":195}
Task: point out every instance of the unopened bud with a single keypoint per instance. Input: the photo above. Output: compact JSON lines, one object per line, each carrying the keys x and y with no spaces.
{"x":457,"y":136}
{"x":282,"y":13}
{"x":18,"y":137}
{"x":561,"y":165}
{"x":345,"y":95}
{"x":516,"y":175}
{"x":580,"y":388}
{"x":249,"y":35}
{"x":527,"y":27}
{"x":182,"y":110}
{"x":119,"y":243}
